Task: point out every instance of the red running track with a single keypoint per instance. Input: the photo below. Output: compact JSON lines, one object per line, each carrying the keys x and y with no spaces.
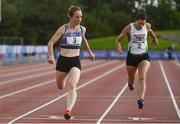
{"x":28,"y":94}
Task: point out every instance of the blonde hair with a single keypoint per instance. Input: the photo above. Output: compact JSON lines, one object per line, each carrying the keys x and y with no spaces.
{"x":72,"y":10}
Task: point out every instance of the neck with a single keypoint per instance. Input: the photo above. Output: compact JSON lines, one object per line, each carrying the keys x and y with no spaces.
{"x":72,"y":25}
{"x":136,"y":25}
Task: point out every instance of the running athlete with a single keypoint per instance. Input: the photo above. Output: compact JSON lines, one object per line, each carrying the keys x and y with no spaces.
{"x":68,"y":65}
{"x":137,"y":57}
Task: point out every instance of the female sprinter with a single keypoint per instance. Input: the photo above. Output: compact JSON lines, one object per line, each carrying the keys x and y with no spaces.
{"x":137,"y":58}
{"x":68,"y":65}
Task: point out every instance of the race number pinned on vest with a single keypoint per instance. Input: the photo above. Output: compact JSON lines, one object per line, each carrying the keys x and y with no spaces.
{"x":74,"y":40}
{"x":138,"y":45}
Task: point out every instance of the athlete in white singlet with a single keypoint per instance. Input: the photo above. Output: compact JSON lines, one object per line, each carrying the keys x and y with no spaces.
{"x":138,"y":57}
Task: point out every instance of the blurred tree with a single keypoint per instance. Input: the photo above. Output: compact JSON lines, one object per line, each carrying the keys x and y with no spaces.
{"x":36,"y":21}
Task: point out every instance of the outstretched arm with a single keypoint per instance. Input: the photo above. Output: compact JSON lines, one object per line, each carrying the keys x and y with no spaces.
{"x":151,"y":33}
{"x":119,"y":39}
{"x":86,"y":45}
{"x":51,"y":42}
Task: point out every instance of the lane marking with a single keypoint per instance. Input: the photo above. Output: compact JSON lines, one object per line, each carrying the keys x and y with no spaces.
{"x":27,"y":77}
{"x":50,"y":81}
{"x":140,"y":118}
{"x":112,"y":104}
{"x":27,"y":66}
{"x":26,"y":89}
{"x":25,"y":71}
{"x":170,"y":90}
{"x":59,"y":117}
{"x":54,"y":100}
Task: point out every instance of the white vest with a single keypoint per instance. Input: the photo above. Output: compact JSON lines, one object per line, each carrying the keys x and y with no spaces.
{"x":138,"y":42}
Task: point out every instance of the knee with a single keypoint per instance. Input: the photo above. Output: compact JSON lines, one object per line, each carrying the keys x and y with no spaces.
{"x":142,"y":78}
{"x":72,"y":86}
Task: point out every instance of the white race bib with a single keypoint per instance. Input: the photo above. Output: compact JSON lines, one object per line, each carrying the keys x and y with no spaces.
{"x":74,"y":40}
{"x":138,"y":48}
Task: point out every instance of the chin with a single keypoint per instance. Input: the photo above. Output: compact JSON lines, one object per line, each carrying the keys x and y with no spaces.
{"x":78,"y":23}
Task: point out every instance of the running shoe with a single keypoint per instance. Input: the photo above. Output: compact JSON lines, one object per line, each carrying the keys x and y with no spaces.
{"x":140,"y":103}
{"x":131,"y":86}
{"x":67,"y":114}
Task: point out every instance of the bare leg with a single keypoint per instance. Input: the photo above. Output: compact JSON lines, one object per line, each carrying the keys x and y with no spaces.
{"x":142,"y":71}
{"x":72,"y":80}
{"x":131,"y":70}
{"x":61,"y":79}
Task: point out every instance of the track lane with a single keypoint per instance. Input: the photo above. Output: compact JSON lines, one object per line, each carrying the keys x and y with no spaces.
{"x":28,"y":100}
{"x":158,"y":105}
{"x":172,"y":72}
{"x":60,"y":104}
{"x":8,"y":77}
{"x":20,"y":67}
{"x":94,"y":99}
{"x":29,"y":80}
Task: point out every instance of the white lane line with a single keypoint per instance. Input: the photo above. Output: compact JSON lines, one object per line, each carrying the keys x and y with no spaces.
{"x":32,"y":76}
{"x":27,"y":77}
{"x":26,"y":89}
{"x":25,"y":71}
{"x":27,"y":66}
{"x":50,"y":81}
{"x":170,"y":90}
{"x":38,"y":65}
{"x":112,"y":104}
{"x":56,"y":99}
{"x":32,"y":70}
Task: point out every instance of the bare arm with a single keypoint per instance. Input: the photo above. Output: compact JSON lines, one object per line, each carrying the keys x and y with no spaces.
{"x":52,"y":41}
{"x":122,"y":35}
{"x":151,"y":33}
{"x":86,"y":45}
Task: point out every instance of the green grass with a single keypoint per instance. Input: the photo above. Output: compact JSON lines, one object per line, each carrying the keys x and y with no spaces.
{"x":108,"y":43}
{"x":170,"y":31}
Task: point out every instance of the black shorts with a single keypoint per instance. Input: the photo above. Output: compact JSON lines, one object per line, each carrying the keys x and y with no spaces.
{"x":134,"y":60}
{"x":64,"y":64}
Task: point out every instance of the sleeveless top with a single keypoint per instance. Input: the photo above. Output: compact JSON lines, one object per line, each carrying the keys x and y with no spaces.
{"x":138,"y":42}
{"x":70,"y":42}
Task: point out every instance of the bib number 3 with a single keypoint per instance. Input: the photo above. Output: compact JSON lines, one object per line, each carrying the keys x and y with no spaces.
{"x":74,"y":40}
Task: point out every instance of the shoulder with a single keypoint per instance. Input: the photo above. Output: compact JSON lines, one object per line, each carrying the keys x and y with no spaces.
{"x":61,"y":29}
{"x":83,"y":28}
{"x":127,"y":28}
{"x":148,"y":25}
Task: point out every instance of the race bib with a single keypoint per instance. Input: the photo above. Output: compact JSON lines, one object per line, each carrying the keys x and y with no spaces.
{"x":74,"y":40}
{"x":138,"y":46}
